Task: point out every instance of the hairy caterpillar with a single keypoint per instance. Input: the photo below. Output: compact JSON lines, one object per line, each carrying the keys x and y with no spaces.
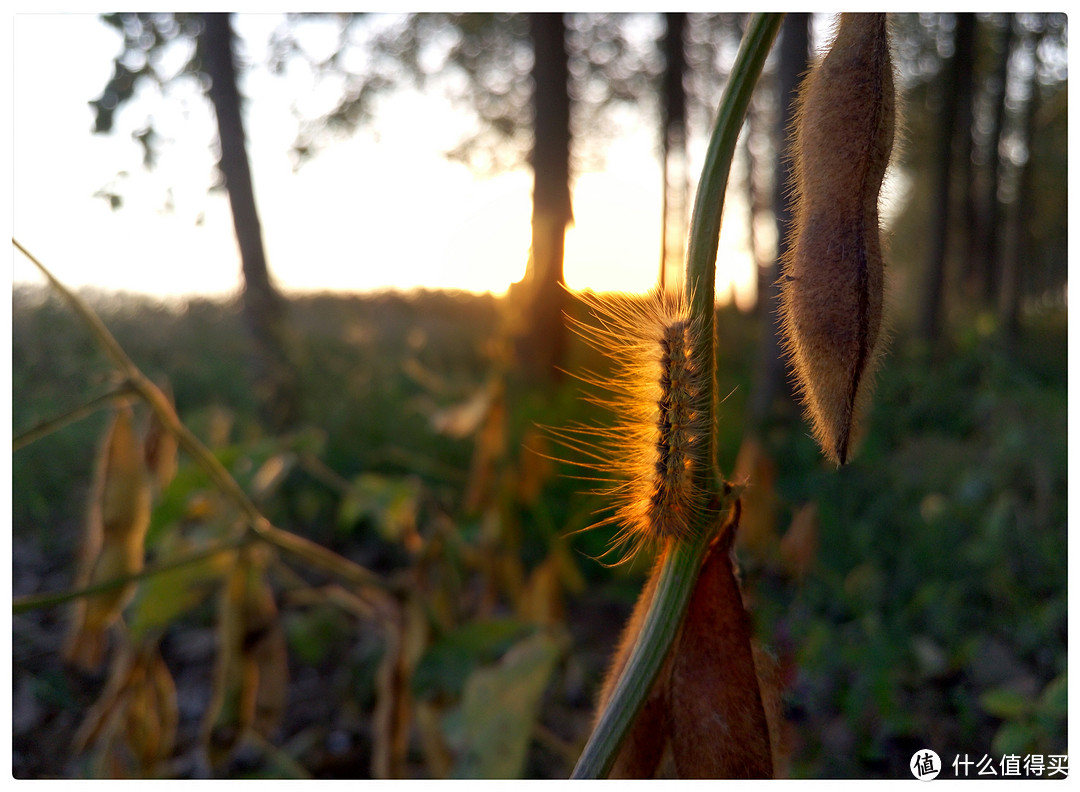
{"x":651,"y":455}
{"x":832,"y":287}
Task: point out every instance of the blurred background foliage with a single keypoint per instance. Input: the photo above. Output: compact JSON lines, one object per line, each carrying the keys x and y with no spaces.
{"x":915,"y":598}
{"x":926,"y":605}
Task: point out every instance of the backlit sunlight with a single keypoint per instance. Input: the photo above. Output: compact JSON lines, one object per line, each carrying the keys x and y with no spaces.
{"x":383,"y":209}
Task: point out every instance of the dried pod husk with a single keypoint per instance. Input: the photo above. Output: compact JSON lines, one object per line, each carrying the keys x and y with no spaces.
{"x":160,"y":447}
{"x":250,"y":673}
{"x":112,"y":541}
{"x":833,"y":279}
{"x":133,"y":723}
{"x":719,"y":727}
{"x":164,"y":689}
{"x":706,"y":715}
{"x":643,"y":748}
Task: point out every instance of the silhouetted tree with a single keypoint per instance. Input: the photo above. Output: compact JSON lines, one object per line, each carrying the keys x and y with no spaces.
{"x":941,"y":170}
{"x":675,"y":165}
{"x":986,"y":231}
{"x":966,"y":29}
{"x":212,"y":62}
{"x":1017,"y":246}
{"x":516,"y":124}
{"x":794,"y":52}
{"x":276,"y":381}
{"x":540,"y":347}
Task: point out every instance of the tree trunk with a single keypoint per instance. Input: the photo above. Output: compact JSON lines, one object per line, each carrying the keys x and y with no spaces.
{"x":762,"y":167}
{"x":541,"y":341}
{"x":1016,"y":242}
{"x":988,"y":224}
{"x":675,"y":164}
{"x":794,"y":61}
{"x":941,"y":173}
{"x":276,"y":382}
{"x":965,"y":79}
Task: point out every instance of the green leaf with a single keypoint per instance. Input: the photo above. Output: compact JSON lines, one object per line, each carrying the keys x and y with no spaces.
{"x":499,"y":710}
{"x":1054,"y":700}
{"x":1004,"y":703}
{"x":164,"y":597}
{"x":391,"y":504}
{"x":446,"y":665}
{"x":1015,"y":737}
{"x":173,"y":503}
{"x":314,"y":632}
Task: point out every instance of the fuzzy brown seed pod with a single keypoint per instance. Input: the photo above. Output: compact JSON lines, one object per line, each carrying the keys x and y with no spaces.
{"x":833,"y":282}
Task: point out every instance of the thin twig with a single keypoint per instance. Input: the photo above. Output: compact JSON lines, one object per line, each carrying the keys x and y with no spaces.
{"x":51,"y":425}
{"x":312,"y":553}
{"x":51,"y":599}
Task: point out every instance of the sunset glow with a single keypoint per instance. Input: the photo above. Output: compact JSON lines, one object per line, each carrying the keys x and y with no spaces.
{"x":383,"y":209}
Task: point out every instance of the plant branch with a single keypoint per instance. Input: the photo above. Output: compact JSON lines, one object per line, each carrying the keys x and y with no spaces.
{"x":681,"y":562}
{"x":51,"y":599}
{"x":51,"y":425}
{"x":311,"y":552}
{"x":709,"y":202}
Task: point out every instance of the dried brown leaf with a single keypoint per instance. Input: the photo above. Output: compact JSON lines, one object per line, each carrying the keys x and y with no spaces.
{"x":718,"y":723}
{"x":799,"y":547}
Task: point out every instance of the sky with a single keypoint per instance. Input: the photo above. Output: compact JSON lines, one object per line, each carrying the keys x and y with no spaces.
{"x":382,"y":209}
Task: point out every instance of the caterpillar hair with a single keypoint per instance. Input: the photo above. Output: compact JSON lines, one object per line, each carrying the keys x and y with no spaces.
{"x":651,"y":455}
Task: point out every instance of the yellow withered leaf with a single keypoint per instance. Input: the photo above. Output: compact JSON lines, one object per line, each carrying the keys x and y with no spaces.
{"x":250,"y":674}
{"x":113,"y":539}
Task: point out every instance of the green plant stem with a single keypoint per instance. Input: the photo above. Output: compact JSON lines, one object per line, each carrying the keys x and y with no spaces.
{"x":677,"y":576}
{"x":309,"y":551}
{"x":51,"y":425}
{"x":51,"y":599}
{"x":682,"y":561}
{"x":709,"y":203}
